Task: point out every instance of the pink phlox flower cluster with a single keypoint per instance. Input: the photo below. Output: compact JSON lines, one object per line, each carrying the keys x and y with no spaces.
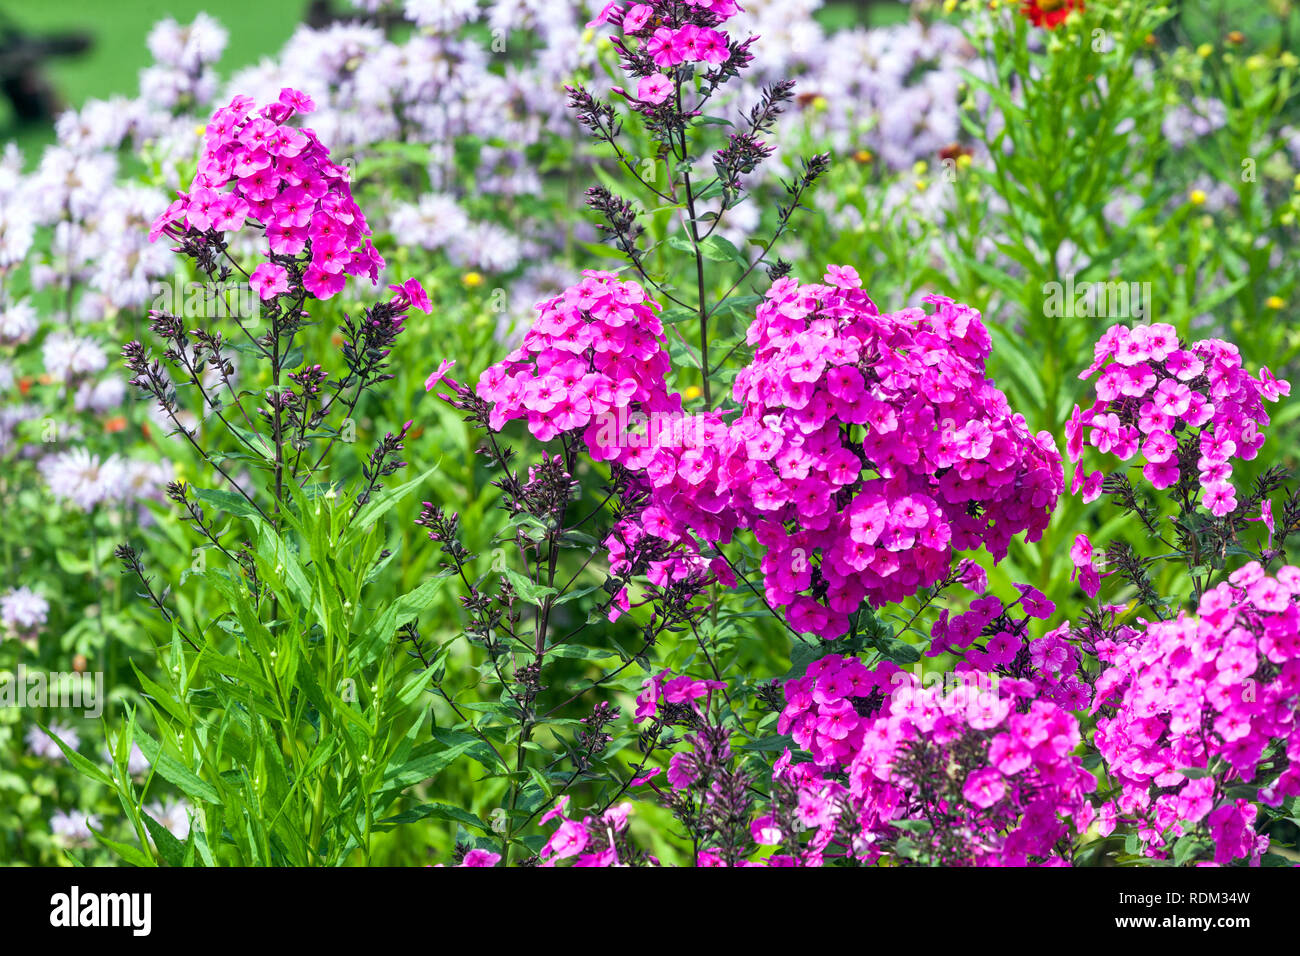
{"x":478,"y":858}
{"x":992,"y":638}
{"x":674,"y":508}
{"x":829,"y":708}
{"x":594,"y":364}
{"x":672,"y":34}
{"x":282,"y":179}
{"x":660,"y":689}
{"x":1216,"y":691}
{"x":1004,"y":779}
{"x":591,"y":841}
{"x":664,"y":42}
{"x":1186,"y":412}
{"x":593,"y":359}
{"x":869,"y":447}
{"x":872,"y":446}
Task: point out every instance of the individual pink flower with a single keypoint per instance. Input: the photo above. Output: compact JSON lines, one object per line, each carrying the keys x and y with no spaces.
{"x":984,"y":788}
{"x":654,"y":88}
{"x":410,"y":295}
{"x":438,"y":374}
{"x":1219,"y":498}
{"x":1081,"y":554}
{"x":636,"y":18}
{"x":269,"y":280}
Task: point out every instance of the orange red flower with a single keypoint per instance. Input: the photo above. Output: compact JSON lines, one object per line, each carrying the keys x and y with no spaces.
{"x":1049,"y":13}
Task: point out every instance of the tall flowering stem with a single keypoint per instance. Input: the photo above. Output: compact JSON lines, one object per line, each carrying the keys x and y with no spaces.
{"x":260,"y":174}
{"x":1185,"y":414}
{"x":679,"y":56}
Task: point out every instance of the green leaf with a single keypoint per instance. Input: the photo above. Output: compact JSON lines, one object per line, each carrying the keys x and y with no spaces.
{"x":573,"y":651}
{"x":1185,"y":847}
{"x":770,"y":744}
{"x":435,"y":811}
{"x":93,"y":771}
{"x":526,"y":589}
{"x":897,"y":650}
{"x":172,"y":850}
{"x":426,"y":765}
{"x":227,"y":501}
{"x":175,"y":772}
{"x":719,"y":249}
{"x":129,"y":854}
{"x":374,"y":509}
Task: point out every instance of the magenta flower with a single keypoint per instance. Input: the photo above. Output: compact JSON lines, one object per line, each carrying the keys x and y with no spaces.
{"x":636,"y":18}
{"x":984,"y":788}
{"x":1168,"y":402}
{"x":281,"y":179}
{"x":269,"y":280}
{"x":668,"y":47}
{"x":832,"y":455}
{"x":708,"y":46}
{"x":1081,"y":554}
{"x":410,"y":295}
{"x":647,"y":700}
{"x":437,"y":376}
{"x":568,"y":840}
{"x":1217,"y":692}
{"x":1010,"y":778}
{"x":654,"y":88}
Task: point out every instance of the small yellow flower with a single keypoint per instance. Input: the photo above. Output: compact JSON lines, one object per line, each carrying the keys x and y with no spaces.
{"x":949,"y":6}
{"x":1274,"y":302}
{"x":920,"y":167}
{"x":1288,"y":60}
{"x":1205,"y":50}
{"x":1197,"y":197}
{"x":819,"y":102}
{"x":1236,"y":38}
{"x":921,"y":185}
{"x":863,"y":156}
{"x":200,"y":130}
{"x":964,"y":161}
{"x":472,"y":280}
{"x":692,"y":392}
{"x":1257,"y":63}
